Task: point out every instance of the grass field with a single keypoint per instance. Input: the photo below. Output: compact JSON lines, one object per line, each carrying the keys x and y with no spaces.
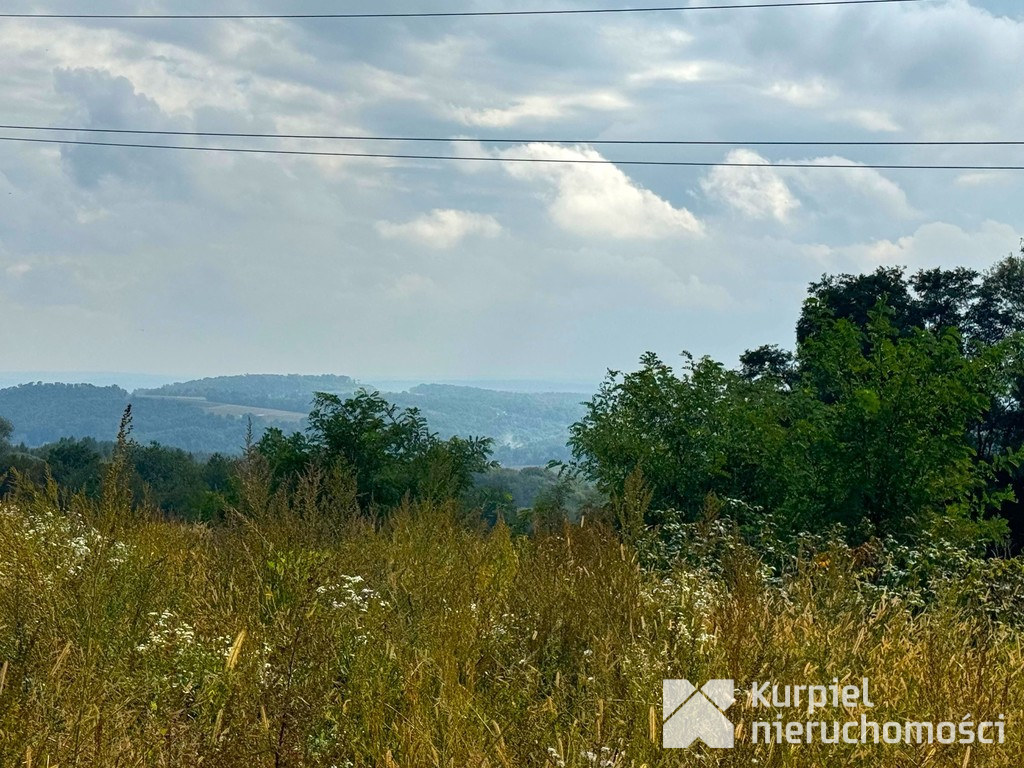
{"x":304,"y":635}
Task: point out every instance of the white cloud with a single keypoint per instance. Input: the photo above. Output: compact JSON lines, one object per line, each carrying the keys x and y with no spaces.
{"x":983,"y":178}
{"x":937,"y":243}
{"x":18,"y":270}
{"x":134,"y":254}
{"x":599,"y":200}
{"x":846,"y":187}
{"x":543,"y":107}
{"x":809,"y":93}
{"x":771,"y":192}
{"x":441,"y":229}
{"x":874,"y":120}
{"x":696,"y":71}
{"x":758,"y":193}
{"x":659,"y":41}
{"x":657,"y":273}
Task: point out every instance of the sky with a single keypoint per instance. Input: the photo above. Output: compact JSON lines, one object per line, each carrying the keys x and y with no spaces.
{"x":190,"y":264}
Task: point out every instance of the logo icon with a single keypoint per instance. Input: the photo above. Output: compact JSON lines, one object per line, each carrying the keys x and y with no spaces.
{"x":689,"y":714}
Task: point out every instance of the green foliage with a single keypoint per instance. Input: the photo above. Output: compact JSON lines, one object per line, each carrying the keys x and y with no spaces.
{"x":985,"y":308}
{"x":76,"y":465}
{"x":769,"y":362}
{"x":873,"y":433}
{"x":854,"y":298}
{"x":883,"y":432}
{"x":15,"y":461}
{"x":283,"y":392}
{"x":168,"y":479}
{"x":502,"y":493}
{"x":390,"y":453}
{"x":998,"y":310}
{"x":706,"y":430}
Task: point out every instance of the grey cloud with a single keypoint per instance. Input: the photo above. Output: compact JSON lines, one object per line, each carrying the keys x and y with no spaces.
{"x":210,"y":264}
{"x":102,"y":100}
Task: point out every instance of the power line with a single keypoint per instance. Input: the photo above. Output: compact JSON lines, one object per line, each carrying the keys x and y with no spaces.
{"x":450,"y":14}
{"x":541,"y":160}
{"x":465,"y":140}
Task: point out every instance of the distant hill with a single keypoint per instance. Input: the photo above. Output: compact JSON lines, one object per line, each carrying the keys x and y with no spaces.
{"x":281,"y":392}
{"x":125,"y":380}
{"x":44,"y":413}
{"x":211,"y":415}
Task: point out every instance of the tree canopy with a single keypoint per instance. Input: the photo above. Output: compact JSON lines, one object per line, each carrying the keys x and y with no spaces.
{"x":390,"y":452}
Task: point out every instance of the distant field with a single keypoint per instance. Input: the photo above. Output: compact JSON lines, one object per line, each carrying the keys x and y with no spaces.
{"x":222,"y":409}
{"x":237,"y":411}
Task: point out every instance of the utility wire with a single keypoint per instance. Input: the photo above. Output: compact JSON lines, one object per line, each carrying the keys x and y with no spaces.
{"x":489,"y":158}
{"x":451,"y":14}
{"x":464,"y":140}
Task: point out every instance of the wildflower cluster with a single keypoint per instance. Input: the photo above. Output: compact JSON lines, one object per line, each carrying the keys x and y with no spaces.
{"x":349,"y":594}
{"x":686,"y":597}
{"x":68,"y":543}
{"x":190,"y":658}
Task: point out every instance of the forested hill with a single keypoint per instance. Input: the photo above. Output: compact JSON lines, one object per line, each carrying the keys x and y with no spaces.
{"x":211,"y":415}
{"x":280,"y":392}
{"x":44,"y":413}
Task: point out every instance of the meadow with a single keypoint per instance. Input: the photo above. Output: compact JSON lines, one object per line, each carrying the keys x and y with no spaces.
{"x":302,"y":632}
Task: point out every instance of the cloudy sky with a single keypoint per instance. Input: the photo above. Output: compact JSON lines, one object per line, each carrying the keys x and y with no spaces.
{"x":189,"y":264}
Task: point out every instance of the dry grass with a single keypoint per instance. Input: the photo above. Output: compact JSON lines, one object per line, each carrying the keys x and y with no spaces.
{"x":288,"y":638}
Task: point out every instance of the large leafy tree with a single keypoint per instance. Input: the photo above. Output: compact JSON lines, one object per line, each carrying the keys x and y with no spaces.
{"x":170,"y":478}
{"x":76,"y":465}
{"x":853,"y":297}
{"x":14,"y":461}
{"x":986,"y":309}
{"x":997,"y":311}
{"x":703,"y":430}
{"x":390,"y":452}
{"x":886,"y":438}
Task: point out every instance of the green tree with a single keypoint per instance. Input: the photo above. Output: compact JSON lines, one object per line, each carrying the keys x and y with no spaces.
{"x":987,"y":310}
{"x":769,"y":362}
{"x":390,"y":452}
{"x":854,"y":297}
{"x":884,"y":436}
{"x":943,"y":298}
{"x":16,"y":461}
{"x":169,"y":478}
{"x":998,"y":311}
{"x":76,"y":465}
{"x":704,"y":430}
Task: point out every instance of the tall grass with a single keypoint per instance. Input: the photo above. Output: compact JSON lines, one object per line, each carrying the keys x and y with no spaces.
{"x":303,"y":634}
